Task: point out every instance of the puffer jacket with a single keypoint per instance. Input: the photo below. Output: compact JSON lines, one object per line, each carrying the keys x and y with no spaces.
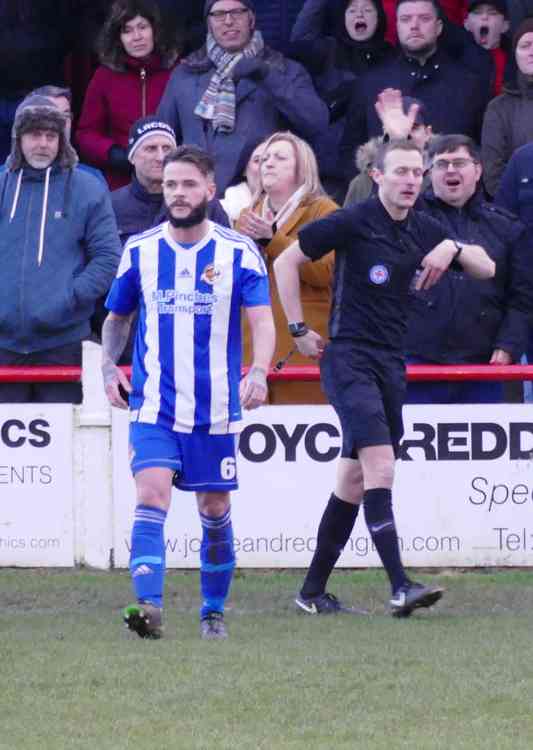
{"x":461,"y":319}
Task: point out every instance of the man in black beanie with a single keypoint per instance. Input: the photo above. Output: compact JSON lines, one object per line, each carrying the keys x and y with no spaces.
{"x":235,"y":91}
{"x":139,"y":205}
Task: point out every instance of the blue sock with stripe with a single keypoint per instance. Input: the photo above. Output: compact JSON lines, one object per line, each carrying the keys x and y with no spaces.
{"x":147,"y":556}
{"x":217,"y":561}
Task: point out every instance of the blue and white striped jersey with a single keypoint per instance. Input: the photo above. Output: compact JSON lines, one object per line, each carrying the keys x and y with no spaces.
{"x":187,"y":356}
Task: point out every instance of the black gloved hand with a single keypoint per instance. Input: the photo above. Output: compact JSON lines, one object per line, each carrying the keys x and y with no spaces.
{"x":117,"y":158}
{"x":249,"y":67}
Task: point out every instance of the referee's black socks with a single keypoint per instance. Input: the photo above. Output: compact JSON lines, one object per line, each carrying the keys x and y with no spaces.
{"x":333,"y":532}
{"x":380,"y":521}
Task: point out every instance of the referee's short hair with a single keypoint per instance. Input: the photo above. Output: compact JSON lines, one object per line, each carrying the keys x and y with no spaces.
{"x":192,"y":155}
{"x":403,"y":144}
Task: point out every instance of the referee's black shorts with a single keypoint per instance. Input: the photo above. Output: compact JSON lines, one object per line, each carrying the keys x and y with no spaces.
{"x":367,"y":390}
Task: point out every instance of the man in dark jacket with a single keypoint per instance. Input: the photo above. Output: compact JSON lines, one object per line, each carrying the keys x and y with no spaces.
{"x":453,"y":96}
{"x":59,"y":247}
{"x":463,"y":320}
{"x":139,"y":205}
{"x":235,"y":91}
{"x":516,"y":187}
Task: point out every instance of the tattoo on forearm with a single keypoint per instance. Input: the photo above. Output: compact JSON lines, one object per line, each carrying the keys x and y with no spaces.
{"x":115,"y":334}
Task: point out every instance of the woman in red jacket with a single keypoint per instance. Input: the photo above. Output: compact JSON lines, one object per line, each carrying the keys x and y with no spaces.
{"x":135,"y":66}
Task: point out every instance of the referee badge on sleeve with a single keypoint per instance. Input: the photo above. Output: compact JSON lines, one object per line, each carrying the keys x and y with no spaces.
{"x":379,"y":274}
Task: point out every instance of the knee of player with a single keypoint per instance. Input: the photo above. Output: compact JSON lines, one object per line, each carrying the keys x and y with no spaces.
{"x":213,"y":504}
{"x":153,"y":495}
{"x":380,"y":473}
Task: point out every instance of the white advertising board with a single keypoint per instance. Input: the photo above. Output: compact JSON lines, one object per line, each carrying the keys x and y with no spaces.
{"x":36,"y":485}
{"x":463,"y":494}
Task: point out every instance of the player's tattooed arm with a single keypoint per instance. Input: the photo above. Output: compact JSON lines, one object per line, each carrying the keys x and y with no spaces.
{"x":115,"y":332}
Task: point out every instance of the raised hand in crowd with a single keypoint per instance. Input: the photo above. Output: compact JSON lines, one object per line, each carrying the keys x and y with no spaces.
{"x":396,"y":122}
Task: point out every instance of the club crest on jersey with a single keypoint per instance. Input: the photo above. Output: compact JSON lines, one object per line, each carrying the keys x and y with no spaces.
{"x":210,"y":274}
{"x":379,"y":274}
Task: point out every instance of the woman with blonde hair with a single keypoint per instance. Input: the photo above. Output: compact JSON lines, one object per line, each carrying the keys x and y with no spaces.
{"x":288,"y":197}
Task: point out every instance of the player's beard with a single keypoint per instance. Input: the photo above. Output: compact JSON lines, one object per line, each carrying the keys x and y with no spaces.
{"x":196,"y":217}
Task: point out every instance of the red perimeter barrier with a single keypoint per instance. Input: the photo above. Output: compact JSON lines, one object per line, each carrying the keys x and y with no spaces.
{"x":60,"y":374}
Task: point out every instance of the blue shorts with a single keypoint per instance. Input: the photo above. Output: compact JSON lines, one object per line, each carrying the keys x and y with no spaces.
{"x":202,"y":462}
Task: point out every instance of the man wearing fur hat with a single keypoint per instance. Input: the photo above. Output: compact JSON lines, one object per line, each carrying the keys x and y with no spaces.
{"x":235,"y":91}
{"x":59,"y":250}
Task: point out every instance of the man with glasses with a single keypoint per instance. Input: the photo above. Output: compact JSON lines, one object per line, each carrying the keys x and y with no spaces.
{"x":461,"y":319}
{"x":234,"y":92}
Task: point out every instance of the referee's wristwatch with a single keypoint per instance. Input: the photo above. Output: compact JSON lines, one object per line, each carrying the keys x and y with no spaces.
{"x":298,"y":329}
{"x":458,"y":251}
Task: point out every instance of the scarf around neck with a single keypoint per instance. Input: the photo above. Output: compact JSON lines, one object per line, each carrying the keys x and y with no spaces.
{"x":218,"y":100}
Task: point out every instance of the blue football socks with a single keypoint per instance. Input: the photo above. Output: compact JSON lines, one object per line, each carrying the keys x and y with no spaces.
{"x":147,"y":556}
{"x":217,"y":561}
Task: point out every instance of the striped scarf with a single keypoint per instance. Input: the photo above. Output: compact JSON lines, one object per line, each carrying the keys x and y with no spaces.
{"x":218,"y":100}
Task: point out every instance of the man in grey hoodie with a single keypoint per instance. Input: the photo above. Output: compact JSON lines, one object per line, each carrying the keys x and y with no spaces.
{"x":59,"y":250}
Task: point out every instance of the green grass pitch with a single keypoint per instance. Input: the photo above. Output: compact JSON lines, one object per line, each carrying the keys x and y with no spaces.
{"x":457,"y":677}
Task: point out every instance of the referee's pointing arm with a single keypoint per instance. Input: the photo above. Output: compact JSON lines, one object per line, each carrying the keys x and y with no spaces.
{"x":308,"y":342}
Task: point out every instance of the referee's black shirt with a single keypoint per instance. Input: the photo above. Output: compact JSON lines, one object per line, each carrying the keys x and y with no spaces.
{"x":375,"y":262}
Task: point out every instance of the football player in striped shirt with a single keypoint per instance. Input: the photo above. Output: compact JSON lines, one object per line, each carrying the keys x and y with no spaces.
{"x":189,"y":279}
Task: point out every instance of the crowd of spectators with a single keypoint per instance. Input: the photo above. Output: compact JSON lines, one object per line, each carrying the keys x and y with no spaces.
{"x":293,"y":132}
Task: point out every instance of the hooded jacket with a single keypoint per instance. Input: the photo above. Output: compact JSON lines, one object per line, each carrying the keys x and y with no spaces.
{"x":334,"y":61}
{"x":335,"y":58}
{"x":59,"y":246}
{"x":461,"y":319}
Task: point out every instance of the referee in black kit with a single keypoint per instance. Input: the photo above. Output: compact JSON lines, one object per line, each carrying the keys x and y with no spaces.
{"x":379,"y":245}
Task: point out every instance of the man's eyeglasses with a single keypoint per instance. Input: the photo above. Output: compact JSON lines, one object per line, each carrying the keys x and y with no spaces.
{"x":442,"y":165}
{"x":220,"y":15}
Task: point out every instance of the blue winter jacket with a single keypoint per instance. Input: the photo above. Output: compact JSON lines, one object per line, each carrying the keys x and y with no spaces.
{"x":59,"y":251}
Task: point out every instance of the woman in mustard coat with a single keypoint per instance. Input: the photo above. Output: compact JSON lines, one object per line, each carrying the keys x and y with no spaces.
{"x":288,"y":197}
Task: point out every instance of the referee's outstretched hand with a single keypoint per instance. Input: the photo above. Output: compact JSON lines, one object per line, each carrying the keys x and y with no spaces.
{"x":311,"y":345}
{"x":434,"y":264}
